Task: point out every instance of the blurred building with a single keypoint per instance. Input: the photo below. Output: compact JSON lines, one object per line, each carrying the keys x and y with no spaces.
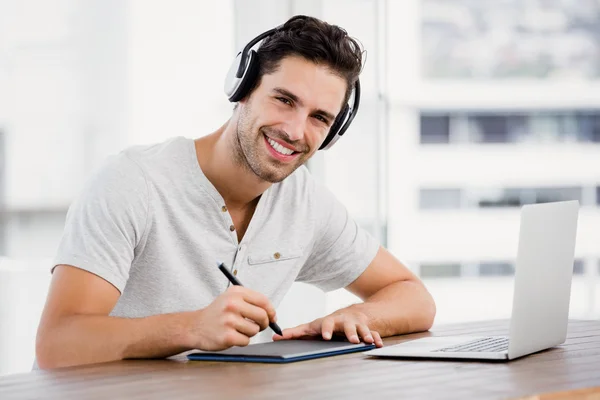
{"x":501,"y":109}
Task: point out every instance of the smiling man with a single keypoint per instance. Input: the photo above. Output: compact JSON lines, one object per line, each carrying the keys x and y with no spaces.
{"x":136,"y":273}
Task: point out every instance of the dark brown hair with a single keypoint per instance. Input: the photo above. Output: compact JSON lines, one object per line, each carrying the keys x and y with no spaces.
{"x":316,"y":41}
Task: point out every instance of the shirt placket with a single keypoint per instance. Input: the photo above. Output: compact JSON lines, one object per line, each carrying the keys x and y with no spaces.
{"x":240,"y":251}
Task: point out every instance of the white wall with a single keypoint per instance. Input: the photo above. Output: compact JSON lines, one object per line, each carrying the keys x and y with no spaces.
{"x":65,"y":95}
{"x":23,"y":287}
{"x":179,"y":53}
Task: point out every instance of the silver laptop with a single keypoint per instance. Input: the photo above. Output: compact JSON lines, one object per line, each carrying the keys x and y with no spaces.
{"x":542,"y":289}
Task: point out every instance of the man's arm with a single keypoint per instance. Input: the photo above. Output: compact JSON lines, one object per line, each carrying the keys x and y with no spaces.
{"x":395,"y":302}
{"x":75,"y":327}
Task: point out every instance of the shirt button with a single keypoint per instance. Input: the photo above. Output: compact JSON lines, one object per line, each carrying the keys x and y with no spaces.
{"x":235,"y":271}
{"x":232,"y":228}
{"x":224,"y":208}
{"x":277,"y":255}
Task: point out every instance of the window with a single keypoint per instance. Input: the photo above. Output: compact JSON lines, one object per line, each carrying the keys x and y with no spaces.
{"x":435,"y":129}
{"x":493,"y":128}
{"x":496,"y":269}
{"x":440,"y":270}
{"x":516,"y":197}
{"x":501,"y":127}
{"x":510,"y":39}
{"x":549,"y":127}
{"x":578,"y":267}
{"x":546,"y":195}
{"x":588,"y":126}
{"x":439,"y":199}
{"x":483,"y":269}
{"x":506,"y":198}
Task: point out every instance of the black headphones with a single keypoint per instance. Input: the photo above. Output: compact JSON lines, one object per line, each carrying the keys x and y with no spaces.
{"x":243,"y":74}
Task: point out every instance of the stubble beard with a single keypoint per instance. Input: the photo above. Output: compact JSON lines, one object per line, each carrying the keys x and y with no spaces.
{"x":246,"y":149}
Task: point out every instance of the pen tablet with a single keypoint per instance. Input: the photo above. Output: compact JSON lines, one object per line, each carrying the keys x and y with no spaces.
{"x":281,"y":351}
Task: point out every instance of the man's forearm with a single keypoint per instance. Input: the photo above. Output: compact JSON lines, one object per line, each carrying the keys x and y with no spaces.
{"x":399,"y":308}
{"x":84,"y":339}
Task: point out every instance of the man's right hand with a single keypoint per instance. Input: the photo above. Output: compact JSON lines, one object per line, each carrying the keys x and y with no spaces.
{"x":230,"y":320}
{"x":76,"y":328}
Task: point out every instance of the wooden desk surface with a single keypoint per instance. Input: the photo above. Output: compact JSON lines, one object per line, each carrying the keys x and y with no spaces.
{"x":573,"y":365}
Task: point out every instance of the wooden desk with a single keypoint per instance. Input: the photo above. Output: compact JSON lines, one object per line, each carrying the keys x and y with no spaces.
{"x":574,"y":365}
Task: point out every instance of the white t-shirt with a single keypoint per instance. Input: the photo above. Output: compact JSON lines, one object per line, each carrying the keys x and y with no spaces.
{"x":150,"y":223}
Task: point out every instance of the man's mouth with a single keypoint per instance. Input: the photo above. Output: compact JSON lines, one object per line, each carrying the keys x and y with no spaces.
{"x":279,"y":148}
{"x":279,"y":151}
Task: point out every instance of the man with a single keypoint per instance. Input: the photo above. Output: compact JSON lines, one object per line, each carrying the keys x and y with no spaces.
{"x":136,"y":271}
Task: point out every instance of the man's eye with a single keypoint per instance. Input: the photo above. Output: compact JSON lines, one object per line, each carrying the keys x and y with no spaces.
{"x":321,"y":118}
{"x":284,"y":101}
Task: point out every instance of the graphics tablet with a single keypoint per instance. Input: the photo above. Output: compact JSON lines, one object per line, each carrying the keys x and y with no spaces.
{"x":283,"y":351}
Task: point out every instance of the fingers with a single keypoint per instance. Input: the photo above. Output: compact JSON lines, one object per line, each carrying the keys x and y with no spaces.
{"x":257,"y":299}
{"x":293,"y":333}
{"x":254,"y":313}
{"x":350,"y":332}
{"x":369,"y":336}
{"x":250,"y":304}
{"x":234,"y":322}
{"x":365,"y":333}
{"x":377,"y":339}
{"x":353,"y":331}
{"x":246,"y":327}
{"x":327,"y":328}
{"x":235,"y":338}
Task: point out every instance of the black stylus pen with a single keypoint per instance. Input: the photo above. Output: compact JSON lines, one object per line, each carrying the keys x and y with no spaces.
{"x":234,"y":281}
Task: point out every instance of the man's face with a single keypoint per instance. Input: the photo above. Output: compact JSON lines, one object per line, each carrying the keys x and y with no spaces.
{"x":287,"y":117}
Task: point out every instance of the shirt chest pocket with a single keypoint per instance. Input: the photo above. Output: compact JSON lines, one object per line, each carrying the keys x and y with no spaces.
{"x":275,"y":257}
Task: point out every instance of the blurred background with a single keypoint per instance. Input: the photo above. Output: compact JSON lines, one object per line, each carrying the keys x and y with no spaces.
{"x":470,"y":109}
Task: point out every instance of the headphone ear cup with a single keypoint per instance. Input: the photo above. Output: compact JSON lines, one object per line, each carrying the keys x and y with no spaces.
{"x":237,"y":88}
{"x":232,"y":83}
{"x":335,"y":127}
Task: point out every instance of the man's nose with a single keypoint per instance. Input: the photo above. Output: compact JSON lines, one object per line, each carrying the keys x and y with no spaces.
{"x":296,"y":126}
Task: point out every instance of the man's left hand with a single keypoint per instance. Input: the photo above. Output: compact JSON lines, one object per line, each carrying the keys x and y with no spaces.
{"x":348,"y":322}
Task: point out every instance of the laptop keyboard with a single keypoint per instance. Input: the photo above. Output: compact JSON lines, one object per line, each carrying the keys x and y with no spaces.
{"x":488,"y":345}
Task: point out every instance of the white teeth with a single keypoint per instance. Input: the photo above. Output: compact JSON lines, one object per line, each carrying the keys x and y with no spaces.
{"x":279,"y":148}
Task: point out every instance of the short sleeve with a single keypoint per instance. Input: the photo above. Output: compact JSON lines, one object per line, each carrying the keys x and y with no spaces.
{"x":106,"y":221}
{"x":342,"y":249}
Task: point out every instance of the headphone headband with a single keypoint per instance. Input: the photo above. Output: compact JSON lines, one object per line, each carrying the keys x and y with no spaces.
{"x":248,"y":47}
